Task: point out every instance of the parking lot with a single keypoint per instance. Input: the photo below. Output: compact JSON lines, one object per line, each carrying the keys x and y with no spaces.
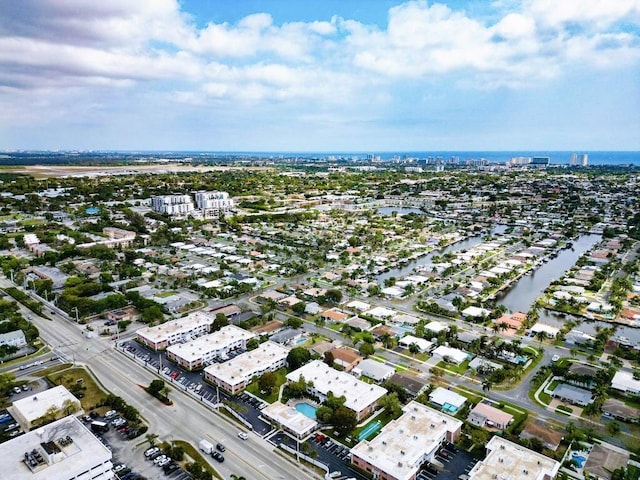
{"x":450,"y":463}
{"x":192,"y":383}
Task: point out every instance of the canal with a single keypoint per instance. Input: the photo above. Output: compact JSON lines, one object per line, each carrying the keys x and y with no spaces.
{"x":522,"y":295}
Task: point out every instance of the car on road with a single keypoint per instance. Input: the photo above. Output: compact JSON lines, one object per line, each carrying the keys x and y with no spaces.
{"x":220,"y":447}
{"x":243,"y":435}
{"x":218,"y":456}
{"x":555,"y":358}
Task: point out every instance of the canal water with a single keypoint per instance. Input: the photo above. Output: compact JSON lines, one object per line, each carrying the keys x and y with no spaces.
{"x":522,"y":295}
{"x":408,"y":269}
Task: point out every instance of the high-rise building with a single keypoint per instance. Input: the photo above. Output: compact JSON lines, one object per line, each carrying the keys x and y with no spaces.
{"x":540,"y":162}
{"x":574,"y":160}
{"x":213,"y":203}
{"x":180,"y":205}
{"x":584,"y":160}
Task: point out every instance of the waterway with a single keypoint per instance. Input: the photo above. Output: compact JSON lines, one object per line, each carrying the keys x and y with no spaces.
{"x":521,"y":296}
{"x":465,"y":244}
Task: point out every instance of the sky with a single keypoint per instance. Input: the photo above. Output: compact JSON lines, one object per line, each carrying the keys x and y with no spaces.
{"x":320,"y":75}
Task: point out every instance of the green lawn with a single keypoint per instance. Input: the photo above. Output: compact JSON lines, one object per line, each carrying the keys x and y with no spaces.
{"x":564,"y":410}
{"x":92,"y":394}
{"x":196,"y":456}
{"x":281,"y":378}
{"x":455,"y":369}
{"x":166,"y":294}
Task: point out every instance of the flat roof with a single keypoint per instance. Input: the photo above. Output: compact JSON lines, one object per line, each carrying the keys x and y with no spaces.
{"x":84,"y":452}
{"x":442,"y":396}
{"x":181,"y":325}
{"x":511,"y":461}
{"x":244,"y":366}
{"x":401,"y":445}
{"x":290,"y":418}
{"x":358,"y":394}
{"x":223,"y":338}
{"x":36,"y":406}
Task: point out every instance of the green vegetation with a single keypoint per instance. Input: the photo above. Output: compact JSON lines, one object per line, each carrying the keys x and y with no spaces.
{"x":79,"y":382}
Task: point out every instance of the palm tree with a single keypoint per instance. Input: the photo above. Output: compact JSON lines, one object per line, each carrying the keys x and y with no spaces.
{"x":151,"y":438}
{"x":236,"y":477}
{"x":540,"y":336}
{"x":486,"y":385}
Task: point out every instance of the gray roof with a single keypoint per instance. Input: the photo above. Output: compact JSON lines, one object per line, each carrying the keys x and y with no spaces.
{"x":285,"y":335}
{"x":573,"y":394}
{"x":11,"y":338}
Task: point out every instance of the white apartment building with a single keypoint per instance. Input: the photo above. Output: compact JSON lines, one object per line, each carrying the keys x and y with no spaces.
{"x":360,"y":397}
{"x":506,"y":459}
{"x":213,"y":203}
{"x":62,"y":450}
{"x":203,"y":350}
{"x":405,"y":444}
{"x":179,"y":205}
{"x":235,"y":374}
{"x":181,"y":330}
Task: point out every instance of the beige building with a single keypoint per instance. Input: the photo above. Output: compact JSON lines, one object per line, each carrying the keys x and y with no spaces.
{"x":508,"y":460}
{"x":45,"y":406}
{"x":181,"y":330}
{"x":405,"y":444}
{"x":62,"y":450}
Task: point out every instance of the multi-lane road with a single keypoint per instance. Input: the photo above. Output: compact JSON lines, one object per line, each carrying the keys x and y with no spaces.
{"x":187,"y":419}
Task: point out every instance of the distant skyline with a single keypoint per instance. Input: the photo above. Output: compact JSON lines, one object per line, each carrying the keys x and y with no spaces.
{"x":320,"y":75}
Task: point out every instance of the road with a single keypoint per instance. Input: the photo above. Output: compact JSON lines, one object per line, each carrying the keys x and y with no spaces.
{"x":187,"y":419}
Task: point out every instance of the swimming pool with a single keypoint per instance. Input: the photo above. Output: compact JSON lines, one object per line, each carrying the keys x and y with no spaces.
{"x":369,"y":430}
{"x":306,"y":409}
{"x":300,"y":341}
{"x":579,"y":459}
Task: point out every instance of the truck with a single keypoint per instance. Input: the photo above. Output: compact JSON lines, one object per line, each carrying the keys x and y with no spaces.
{"x":206,"y":446}
{"x":99,"y":427}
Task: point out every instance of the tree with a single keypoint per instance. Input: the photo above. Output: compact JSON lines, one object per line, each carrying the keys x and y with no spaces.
{"x":414,"y":348}
{"x":333,"y":296}
{"x":219,"y":322}
{"x":366,"y":349}
{"x":267,"y":382}
{"x":391,"y":403}
{"x":155,"y":387}
{"x":344,"y":420}
{"x":299,"y":308}
{"x":152,"y":314}
{"x":540,"y":336}
{"x":329,"y":358}
{"x":294,"y":322}
{"x":297,"y":357}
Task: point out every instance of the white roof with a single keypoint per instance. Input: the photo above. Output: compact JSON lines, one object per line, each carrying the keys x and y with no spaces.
{"x":548,"y":329}
{"x":290,"y":418}
{"x":400,"y":447}
{"x":436,"y":326}
{"x":423,"y":345}
{"x":514,"y":462}
{"x":456,"y":355}
{"x":245,"y":366}
{"x":381,"y":312}
{"x":357,"y":305}
{"x":475,"y":312}
{"x":84,"y":453}
{"x":181,"y":325}
{"x":36,"y":405}
{"x":358,"y":394}
{"x":393,"y":291}
{"x":624,"y":381}
{"x":375,"y":370}
{"x":220,"y":340}
{"x":440,"y":396}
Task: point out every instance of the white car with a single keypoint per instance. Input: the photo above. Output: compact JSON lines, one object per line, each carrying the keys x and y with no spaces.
{"x":243,"y":435}
{"x":555,"y":358}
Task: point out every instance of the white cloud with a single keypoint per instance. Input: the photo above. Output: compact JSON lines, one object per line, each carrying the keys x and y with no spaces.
{"x":598,"y":13}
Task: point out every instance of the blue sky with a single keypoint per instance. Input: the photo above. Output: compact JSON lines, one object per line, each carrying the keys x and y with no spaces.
{"x":320,"y":75}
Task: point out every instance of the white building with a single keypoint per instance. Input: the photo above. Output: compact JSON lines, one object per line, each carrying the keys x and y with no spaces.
{"x":447,"y":400}
{"x":625,"y":382}
{"x":235,"y":374}
{"x":453,"y":355}
{"x":548,"y":330}
{"x":176,"y":331}
{"x":421,"y":343}
{"x":374,"y":370}
{"x":29,"y":409}
{"x":178,"y":205}
{"x":289,"y":419}
{"x":360,"y":397}
{"x":406,"y":443}
{"x":514,"y":462}
{"x":15,"y":338}
{"x":203,"y":350}
{"x":213,"y":203}
{"x":62,"y":450}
